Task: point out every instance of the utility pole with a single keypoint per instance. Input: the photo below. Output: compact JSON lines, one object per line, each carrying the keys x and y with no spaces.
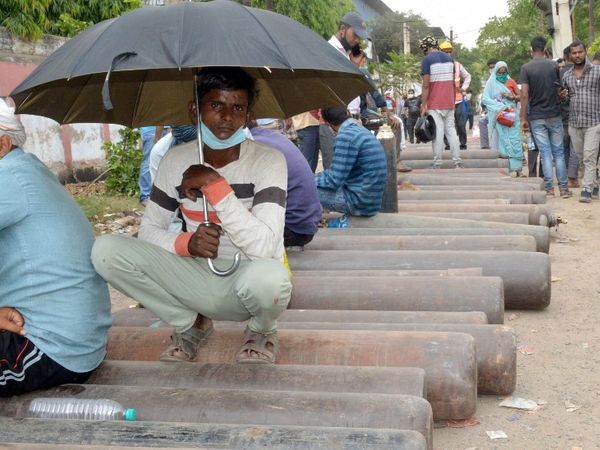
{"x":269,"y":5}
{"x":406,"y":39}
{"x":452,"y":36}
{"x":592,"y":12}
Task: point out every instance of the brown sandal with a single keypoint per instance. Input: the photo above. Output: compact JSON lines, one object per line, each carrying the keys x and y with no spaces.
{"x":263,"y":346}
{"x":184,"y":346}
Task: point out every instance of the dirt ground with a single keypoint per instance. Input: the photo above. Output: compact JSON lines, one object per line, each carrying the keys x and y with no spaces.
{"x":558,"y":358}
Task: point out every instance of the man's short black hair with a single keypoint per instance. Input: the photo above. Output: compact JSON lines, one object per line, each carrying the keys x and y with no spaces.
{"x":226,"y":79}
{"x":335,"y":115}
{"x":576,"y":44}
{"x":596,"y":56}
{"x":566,"y":52}
{"x":492,"y":62}
{"x":538,"y":44}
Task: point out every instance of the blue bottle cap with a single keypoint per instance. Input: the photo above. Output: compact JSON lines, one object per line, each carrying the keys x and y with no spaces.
{"x":130,"y":414}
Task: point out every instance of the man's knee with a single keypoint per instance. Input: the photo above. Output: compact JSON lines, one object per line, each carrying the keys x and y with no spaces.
{"x":267,"y":283}
{"x":105,"y":254}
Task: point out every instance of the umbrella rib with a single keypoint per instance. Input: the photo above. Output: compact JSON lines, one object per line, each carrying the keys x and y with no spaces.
{"x":287,"y":63}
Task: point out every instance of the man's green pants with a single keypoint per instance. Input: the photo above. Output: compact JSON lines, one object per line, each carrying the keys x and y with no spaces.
{"x":177,"y":288}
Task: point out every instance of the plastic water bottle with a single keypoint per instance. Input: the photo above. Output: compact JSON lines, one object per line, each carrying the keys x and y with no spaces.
{"x":341,"y":222}
{"x":80,"y":408}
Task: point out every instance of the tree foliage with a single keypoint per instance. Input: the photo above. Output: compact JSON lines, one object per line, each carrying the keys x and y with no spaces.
{"x":31,"y":19}
{"x":321,"y":16}
{"x":508,"y":38}
{"x":388,"y":33}
{"x":582,"y":21}
{"x":399,"y":71}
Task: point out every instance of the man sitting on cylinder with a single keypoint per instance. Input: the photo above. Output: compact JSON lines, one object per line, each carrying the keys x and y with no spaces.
{"x":355,"y":181}
{"x":245,"y":185}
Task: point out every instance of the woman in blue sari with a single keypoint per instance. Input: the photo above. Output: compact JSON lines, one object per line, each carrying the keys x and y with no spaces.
{"x":501,"y":93}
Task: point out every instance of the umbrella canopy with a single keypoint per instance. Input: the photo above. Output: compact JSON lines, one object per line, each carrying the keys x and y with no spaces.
{"x":152,"y":54}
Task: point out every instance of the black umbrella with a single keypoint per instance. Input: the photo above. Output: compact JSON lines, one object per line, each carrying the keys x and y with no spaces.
{"x":150,"y":56}
{"x":139,"y":69}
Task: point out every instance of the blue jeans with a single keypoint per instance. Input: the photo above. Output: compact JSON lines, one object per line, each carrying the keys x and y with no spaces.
{"x":548,"y":136}
{"x":145,"y":181}
{"x":308,"y":142}
{"x":333,"y":200}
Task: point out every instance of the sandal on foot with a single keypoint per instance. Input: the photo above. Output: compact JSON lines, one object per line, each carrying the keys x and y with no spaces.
{"x":264,"y":346}
{"x":184,"y":346}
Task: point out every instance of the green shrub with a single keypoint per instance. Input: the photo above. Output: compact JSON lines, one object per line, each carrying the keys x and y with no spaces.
{"x":124,"y":160}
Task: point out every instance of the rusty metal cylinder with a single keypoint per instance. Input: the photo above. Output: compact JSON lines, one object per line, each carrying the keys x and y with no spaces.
{"x":448,"y":358}
{"x":449,"y":164}
{"x":452,"y":179}
{"x":427,"y":224}
{"x":526,"y":275}
{"x":465,"y":154}
{"x":536,"y":197}
{"x":458,"y":294}
{"x":141,"y":317}
{"x":240,"y":406}
{"x":496,"y":347}
{"x":357,"y":380}
{"x":77,"y":434}
{"x":328,"y":242}
{"x":474,"y":187}
{"x":501,"y":217}
{"x":389,"y":202}
{"x":537,"y":214}
{"x":462,"y":272}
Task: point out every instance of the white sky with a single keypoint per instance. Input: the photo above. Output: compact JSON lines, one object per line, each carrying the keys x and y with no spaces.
{"x":466,"y":17}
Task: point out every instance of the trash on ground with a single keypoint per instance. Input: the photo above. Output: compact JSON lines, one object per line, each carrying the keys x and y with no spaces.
{"x":513,"y":316}
{"x":519,"y":403}
{"x":499,"y":434}
{"x":470,"y":422}
{"x":525,"y":350}
{"x":514,"y":417}
{"x":570,"y":406}
{"x":555,"y":279}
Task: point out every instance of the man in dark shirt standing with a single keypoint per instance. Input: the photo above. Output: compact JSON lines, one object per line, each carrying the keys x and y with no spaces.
{"x":541,"y":107}
{"x":582,"y":82}
{"x":413,"y":105}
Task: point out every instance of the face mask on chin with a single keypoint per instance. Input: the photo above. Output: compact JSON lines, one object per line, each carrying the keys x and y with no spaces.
{"x":215,"y":143}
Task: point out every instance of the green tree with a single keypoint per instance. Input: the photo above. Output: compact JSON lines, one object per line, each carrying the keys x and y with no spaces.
{"x":388,"y":33}
{"x":582,"y":20}
{"x":508,"y":38}
{"x":31,"y":19}
{"x":321,"y":16}
{"x":399,"y":71}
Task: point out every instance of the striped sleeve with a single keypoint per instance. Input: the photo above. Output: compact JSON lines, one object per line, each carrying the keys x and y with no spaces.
{"x":345,"y":153}
{"x":161,"y":207}
{"x":257,"y":232}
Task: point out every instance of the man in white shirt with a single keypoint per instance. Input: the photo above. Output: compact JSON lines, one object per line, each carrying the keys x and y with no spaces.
{"x":351,"y":29}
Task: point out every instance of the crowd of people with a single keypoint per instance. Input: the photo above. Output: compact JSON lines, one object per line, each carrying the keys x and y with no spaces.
{"x":263,"y":194}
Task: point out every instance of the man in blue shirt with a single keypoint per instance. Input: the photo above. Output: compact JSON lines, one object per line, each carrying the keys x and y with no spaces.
{"x":355,"y":181}
{"x":54,"y":308}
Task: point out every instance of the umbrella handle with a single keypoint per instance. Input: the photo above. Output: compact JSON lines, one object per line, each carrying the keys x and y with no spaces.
{"x":231,"y":269}
{"x":226,"y":272}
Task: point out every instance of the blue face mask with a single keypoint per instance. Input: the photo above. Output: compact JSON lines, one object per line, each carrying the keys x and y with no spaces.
{"x":502,"y":78}
{"x":215,"y":143}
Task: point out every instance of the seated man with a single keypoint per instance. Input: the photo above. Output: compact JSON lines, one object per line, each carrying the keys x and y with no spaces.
{"x":355,"y":182}
{"x":54,"y":308}
{"x":303,"y":210}
{"x":245,"y":185}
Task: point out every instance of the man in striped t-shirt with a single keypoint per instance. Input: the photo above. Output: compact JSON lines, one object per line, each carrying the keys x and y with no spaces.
{"x":245,"y":185}
{"x":437,"y":99}
{"x":355,"y":181}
